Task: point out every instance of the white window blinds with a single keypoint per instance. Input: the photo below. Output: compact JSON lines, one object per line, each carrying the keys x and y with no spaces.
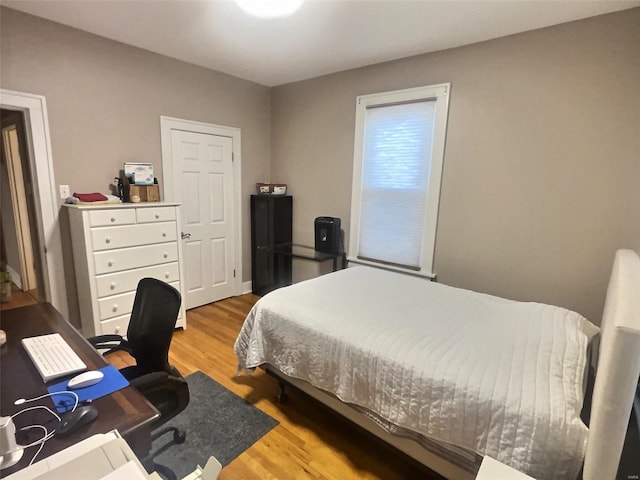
{"x":397,"y":169}
{"x":395,"y":179}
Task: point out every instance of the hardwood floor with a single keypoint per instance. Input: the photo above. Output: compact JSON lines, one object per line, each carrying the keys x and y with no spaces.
{"x":310,"y":442}
{"x":20,"y":299}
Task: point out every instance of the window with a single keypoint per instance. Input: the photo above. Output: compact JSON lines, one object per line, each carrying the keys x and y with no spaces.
{"x":397,"y":168}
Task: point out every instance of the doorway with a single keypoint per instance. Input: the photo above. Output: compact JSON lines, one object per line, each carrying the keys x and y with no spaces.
{"x":201,"y":171}
{"x":38,"y":144}
{"x":19,"y":225}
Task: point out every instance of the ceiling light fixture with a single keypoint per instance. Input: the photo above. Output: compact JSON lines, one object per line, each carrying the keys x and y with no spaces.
{"x":269,"y":8}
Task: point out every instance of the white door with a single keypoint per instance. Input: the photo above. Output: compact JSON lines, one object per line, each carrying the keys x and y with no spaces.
{"x":203,"y":183}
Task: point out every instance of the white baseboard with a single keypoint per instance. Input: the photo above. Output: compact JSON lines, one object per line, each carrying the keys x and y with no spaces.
{"x":246,"y":287}
{"x":15,"y":276}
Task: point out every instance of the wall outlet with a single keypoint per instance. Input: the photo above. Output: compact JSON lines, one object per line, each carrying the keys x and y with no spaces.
{"x":64,"y":191}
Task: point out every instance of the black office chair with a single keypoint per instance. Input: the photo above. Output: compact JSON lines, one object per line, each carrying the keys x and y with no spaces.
{"x":153,"y":319}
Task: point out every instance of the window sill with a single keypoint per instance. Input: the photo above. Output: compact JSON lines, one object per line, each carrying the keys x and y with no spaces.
{"x":431,"y":276}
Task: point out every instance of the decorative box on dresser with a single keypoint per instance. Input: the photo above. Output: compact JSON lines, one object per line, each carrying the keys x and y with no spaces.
{"x":114,"y":246}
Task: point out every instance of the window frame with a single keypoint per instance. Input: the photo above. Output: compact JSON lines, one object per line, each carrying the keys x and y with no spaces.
{"x":439,"y":93}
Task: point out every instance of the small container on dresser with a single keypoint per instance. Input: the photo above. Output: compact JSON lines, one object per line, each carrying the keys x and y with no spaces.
{"x":114,"y":246}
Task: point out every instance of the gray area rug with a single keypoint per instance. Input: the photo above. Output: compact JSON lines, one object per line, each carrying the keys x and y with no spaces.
{"x":217,"y":421}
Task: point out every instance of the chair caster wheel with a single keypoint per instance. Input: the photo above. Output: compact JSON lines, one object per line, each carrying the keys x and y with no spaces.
{"x":179,"y":437}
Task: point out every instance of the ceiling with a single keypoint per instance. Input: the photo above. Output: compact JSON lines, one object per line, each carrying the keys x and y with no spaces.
{"x":323,"y":36}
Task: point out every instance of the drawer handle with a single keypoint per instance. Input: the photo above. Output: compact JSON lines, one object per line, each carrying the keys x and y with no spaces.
{"x":113,"y":219}
{"x":110,"y":263}
{"x":166,"y":255}
{"x":117,"y":329}
{"x":164,"y":234}
{"x":157,"y":216}
{"x":115,"y":307}
{"x":166,"y":275}
{"x":113,"y":285}
{"x":107,"y":240}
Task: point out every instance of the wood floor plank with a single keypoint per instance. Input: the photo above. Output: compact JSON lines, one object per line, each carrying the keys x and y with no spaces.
{"x":19,"y":298}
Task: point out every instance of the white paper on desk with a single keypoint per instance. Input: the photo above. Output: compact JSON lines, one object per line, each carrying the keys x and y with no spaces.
{"x":128,"y":471}
{"x":52,"y":468}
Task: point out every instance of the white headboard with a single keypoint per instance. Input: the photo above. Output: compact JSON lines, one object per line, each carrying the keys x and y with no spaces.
{"x":618,"y":369}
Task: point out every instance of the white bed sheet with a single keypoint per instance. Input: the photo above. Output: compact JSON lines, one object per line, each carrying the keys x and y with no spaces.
{"x":494,"y":376}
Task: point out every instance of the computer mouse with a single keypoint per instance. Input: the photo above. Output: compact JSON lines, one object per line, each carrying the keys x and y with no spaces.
{"x":72,"y":421}
{"x":85,"y":379}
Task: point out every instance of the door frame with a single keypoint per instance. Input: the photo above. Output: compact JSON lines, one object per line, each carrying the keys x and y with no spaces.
{"x":170,"y":123}
{"x":41,"y":161}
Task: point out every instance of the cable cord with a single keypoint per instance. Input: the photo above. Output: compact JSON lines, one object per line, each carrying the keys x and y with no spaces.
{"x":41,"y":442}
{"x":20,"y":401}
{"x":47,"y":434}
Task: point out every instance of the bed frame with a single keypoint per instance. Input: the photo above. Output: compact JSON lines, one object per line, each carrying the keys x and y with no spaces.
{"x":405,"y":445}
{"x":618,"y":371}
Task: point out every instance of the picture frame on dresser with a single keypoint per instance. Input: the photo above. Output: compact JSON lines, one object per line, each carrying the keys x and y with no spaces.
{"x":116,"y":245}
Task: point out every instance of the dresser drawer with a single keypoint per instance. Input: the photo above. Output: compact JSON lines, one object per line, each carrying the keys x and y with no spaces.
{"x":107,"y":238}
{"x":135,"y":257}
{"x":103,"y":218}
{"x":117,"y":305}
{"x":155,"y":214}
{"x":117,"y":326}
{"x":128,"y":280}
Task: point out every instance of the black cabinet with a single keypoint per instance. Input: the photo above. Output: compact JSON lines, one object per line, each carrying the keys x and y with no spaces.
{"x":271,"y":219}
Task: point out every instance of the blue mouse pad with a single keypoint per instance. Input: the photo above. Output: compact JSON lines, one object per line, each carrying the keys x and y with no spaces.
{"x":112,"y":381}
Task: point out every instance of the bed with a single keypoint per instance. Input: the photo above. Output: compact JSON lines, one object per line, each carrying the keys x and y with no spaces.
{"x":448,"y":375}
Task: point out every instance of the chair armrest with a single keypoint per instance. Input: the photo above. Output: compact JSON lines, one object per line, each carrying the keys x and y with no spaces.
{"x":110,"y":343}
{"x":105,"y":338}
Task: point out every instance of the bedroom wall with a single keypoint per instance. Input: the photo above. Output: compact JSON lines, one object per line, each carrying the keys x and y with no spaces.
{"x":105,"y":100}
{"x":541,"y":178}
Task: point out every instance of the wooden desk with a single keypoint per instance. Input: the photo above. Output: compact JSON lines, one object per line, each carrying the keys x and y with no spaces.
{"x":125,"y":410}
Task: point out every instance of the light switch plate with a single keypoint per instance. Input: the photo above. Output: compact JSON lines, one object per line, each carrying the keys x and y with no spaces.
{"x":64,"y":191}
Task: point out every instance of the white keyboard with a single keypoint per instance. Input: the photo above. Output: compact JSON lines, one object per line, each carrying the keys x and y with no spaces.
{"x":52,"y":356}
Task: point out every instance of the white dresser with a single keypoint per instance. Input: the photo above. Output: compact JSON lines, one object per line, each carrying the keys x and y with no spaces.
{"x":114,"y":246}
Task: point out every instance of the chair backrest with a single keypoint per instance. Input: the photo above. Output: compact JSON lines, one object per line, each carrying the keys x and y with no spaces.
{"x":153,"y":319}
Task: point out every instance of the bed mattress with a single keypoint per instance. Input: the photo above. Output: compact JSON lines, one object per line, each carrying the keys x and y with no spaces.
{"x":490,"y":375}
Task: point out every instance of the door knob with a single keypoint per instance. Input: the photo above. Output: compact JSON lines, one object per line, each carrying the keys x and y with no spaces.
{"x":185,"y":235}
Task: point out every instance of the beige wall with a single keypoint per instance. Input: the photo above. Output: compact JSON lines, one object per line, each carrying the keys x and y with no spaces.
{"x":105,"y":100}
{"x":541,"y":178}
